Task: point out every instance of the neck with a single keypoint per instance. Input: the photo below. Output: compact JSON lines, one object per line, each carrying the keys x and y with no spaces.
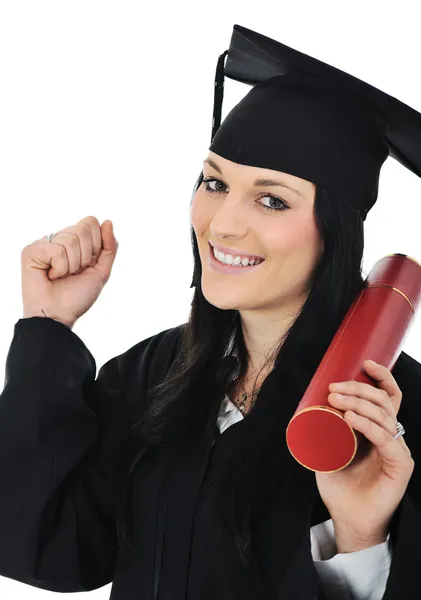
{"x":263,"y":334}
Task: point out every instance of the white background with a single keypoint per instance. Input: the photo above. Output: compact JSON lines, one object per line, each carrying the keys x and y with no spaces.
{"x":106,"y":110}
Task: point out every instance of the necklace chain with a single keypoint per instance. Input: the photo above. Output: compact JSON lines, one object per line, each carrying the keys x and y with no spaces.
{"x":244,"y":398}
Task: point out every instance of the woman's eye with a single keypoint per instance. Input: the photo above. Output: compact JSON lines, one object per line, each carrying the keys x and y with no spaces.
{"x":282,"y":206}
{"x":207,"y":183}
{"x":217,"y":182}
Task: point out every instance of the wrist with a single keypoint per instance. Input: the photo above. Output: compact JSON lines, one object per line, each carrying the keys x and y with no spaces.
{"x":30,"y":315}
{"x":350,"y":542}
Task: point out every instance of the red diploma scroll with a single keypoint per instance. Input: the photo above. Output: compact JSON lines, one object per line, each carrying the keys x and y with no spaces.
{"x":374,"y":328}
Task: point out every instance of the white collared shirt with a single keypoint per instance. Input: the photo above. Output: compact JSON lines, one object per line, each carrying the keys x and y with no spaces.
{"x":360,"y":575}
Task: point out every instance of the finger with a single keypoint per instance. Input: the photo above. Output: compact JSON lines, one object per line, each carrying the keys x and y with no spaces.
{"x":368,"y":409}
{"x":368,"y":392}
{"x":77,"y":244}
{"x":96,"y":235}
{"x":79,"y":251}
{"x":392,"y":450}
{"x":385,"y":381}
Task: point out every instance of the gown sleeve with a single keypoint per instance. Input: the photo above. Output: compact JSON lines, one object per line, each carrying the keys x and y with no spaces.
{"x":58,"y":430}
{"x":405,"y":527}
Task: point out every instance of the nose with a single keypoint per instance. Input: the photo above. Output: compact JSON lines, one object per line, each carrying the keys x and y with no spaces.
{"x":229,"y":220}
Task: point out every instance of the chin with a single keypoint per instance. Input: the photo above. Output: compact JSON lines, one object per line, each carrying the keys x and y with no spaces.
{"x":222,"y":300}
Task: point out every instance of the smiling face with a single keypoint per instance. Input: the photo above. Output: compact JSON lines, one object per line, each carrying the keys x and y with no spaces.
{"x":232,"y":210}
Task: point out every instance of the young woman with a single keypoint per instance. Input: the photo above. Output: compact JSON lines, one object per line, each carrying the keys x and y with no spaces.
{"x":169,"y":474}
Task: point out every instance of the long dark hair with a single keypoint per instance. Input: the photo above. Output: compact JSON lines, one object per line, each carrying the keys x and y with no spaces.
{"x":196,"y":371}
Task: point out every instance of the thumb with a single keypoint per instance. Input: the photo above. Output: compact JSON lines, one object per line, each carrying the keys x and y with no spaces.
{"x":109,"y":248}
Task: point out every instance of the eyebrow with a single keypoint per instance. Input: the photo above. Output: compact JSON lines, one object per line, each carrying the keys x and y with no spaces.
{"x":258,"y":182}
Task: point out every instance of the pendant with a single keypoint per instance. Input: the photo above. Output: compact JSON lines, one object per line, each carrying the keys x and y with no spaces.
{"x":243,"y":402}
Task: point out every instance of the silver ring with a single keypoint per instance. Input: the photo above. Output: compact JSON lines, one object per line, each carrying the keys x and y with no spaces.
{"x":401,"y":430}
{"x":50,"y":237}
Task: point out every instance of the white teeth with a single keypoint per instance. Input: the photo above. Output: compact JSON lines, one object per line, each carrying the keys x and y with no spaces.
{"x":228,"y":259}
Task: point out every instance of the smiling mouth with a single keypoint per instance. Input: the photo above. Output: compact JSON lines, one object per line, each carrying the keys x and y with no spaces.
{"x":231,"y":268}
{"x":211,"y":248}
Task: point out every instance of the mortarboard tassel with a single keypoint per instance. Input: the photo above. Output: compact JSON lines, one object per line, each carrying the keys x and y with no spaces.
{"x":218,"y":94}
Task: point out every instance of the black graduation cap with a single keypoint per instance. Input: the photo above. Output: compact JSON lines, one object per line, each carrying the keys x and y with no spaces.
{"x":305,"y":117}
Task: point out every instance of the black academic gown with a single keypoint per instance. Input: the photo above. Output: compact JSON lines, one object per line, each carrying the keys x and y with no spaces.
{"x":59,"y":428}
